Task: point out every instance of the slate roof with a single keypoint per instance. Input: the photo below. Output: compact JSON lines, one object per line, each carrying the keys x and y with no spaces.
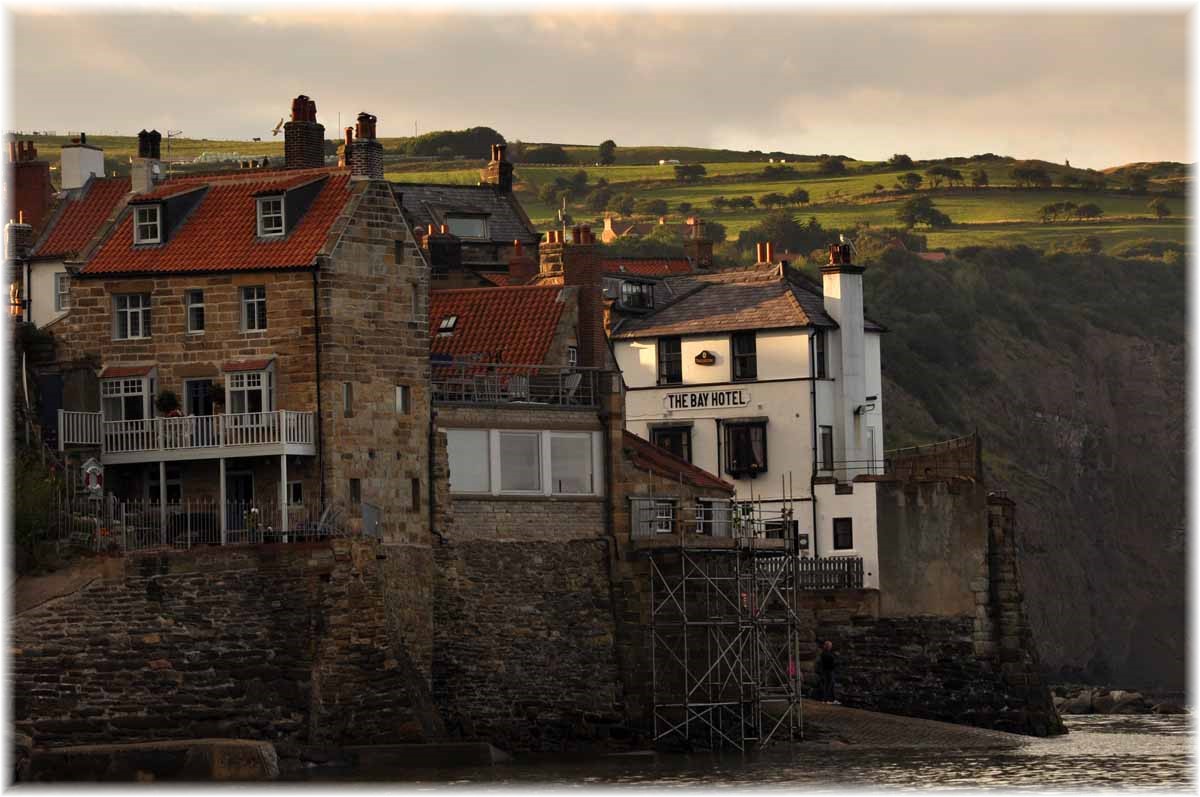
{"x":510,"y":325}
{"x":726,"y":301}
{"x":647,"y":456}
{"x":80,"y":216}
{"x":221,"y":231}
{"x":428,"y":203}
{"x":647,"y":266}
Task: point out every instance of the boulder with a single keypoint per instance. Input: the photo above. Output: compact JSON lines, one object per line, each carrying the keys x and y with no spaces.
{"x":1078,"y":704}
{"x":1103,"y":702}
{"x":1168,"y":708}
{"x":1128,"y":703}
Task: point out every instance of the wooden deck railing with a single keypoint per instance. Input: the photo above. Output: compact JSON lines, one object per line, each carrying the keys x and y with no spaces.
{"x":187,"y":431}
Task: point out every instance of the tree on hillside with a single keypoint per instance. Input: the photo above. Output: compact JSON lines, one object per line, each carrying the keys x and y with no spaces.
{"x":1056,"y":210}
{"x":831,"y":166}
{"x":608,"y":152}
{"x":1089,"y":211}
{"x":689,"y":172}
{"x":781,"y":228}
{"x":772,"y":200}
{"x":979,"y":178}
{"x":685,"y":207}
{"x":622,"y":204}
{"x":921,"y":210}
{"x":900,"y":161}
{"x":473,"y":142}
{"x":742,"y":203}
{"x":1160,"y":208}
{"x":1139,"y":182}
{"x":878,"y":187}
{"x":954,"y":177}
{"x":1068,"y":180}
{"x":910,"y":181}
{"x":719,"y":203}
{"x":599,"y":198}
{"x":551,"y":154}
{"x":1093,"y":181}
{"x":1027,"y":175}
{"x":652,"y":207}
{"x":715,"y":231}
{"x":936,"y":174}
{"x":798,"y":196}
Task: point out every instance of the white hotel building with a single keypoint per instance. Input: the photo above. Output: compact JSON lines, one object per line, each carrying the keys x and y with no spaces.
{"x":766,"y":379}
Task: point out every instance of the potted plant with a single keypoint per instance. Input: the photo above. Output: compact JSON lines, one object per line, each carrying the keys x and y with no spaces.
{"x":167,"y":404}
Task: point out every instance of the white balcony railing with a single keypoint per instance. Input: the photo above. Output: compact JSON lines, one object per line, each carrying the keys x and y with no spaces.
{"x":282,"y":427}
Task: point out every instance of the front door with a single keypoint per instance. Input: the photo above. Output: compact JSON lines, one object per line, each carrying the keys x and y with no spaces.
{"x":239,"y":497}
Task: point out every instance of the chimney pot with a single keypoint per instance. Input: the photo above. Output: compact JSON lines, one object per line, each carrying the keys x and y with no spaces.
{"x":444,"y":230}
{"x":770,"y":252}
{"x":517,"y":247}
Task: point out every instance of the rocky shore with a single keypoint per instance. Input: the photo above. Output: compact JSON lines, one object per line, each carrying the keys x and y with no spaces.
{"x":1075,"y":699}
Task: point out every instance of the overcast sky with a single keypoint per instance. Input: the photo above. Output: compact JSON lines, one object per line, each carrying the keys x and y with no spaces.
{"x":1097,"y":90}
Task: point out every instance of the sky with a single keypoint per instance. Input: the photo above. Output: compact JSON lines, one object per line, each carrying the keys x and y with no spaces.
{"x":1097,"y":89}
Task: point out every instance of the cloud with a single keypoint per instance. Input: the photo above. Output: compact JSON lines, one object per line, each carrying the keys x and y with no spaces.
{"x":1106,"y":88}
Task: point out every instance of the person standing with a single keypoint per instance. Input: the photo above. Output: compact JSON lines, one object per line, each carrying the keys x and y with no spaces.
{"x":826,"y":666}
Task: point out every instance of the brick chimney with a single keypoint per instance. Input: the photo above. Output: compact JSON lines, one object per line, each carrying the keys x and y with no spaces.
{"x":365,"y":153}
{"x":18,"y":239}
{"x":146,"y":169}
{"x":303,"y":136}
{"x":28,"y":187}
{"x":444,"y":248}
{"x":521,"y":266}
{"x":697,"y":246}
{"x":79,"y":163}
{"x":579,"y":262}
{"x":498,"y":172}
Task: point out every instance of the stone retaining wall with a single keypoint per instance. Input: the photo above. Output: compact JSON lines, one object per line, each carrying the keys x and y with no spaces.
{"x":524,"y":643}
{"x":273,"y":642}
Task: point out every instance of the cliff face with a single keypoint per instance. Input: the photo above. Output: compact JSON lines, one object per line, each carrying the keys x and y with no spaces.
{"x":1088,"y":438}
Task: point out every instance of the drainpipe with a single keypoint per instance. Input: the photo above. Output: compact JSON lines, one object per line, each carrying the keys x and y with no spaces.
{"x":812,"y":479}
{"x":432,"y":446}
{"x":317,"y":360}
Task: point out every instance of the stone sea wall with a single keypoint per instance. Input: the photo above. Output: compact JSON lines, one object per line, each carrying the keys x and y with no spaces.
{"x":524,"y":644}
{"x":276,"y":642}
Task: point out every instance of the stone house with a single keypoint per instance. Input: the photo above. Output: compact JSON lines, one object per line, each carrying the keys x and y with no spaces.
{"x":257,"y":336}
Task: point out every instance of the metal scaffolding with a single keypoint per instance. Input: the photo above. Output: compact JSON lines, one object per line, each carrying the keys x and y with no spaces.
{"x":724,"y":640}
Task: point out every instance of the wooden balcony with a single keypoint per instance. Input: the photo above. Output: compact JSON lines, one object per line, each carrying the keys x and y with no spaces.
{"x":190,"y":436}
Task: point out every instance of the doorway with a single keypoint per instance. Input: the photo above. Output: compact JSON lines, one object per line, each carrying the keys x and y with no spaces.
{"x":239,"y":497}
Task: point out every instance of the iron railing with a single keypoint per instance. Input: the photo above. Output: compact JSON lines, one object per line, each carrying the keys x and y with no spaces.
{"x":657,"y":516}
{"x":282,"y":427}
{"x":111,"y":525}
{"x":501,"y":383}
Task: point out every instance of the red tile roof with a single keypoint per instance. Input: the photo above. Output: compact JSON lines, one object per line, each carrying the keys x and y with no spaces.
{"x":115,"y":371}
{"x":647,"y":456}
{"x":246,"y":365}
{"x":500,"y":278}
{"x":511,"y":325}
{"x":82,"y":217}
{"x":648,"y":266}
{"x":221,"y":233}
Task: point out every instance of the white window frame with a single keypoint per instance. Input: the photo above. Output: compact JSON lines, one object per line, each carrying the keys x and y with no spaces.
{"x":447,"y":325}
{"x":62,"y":291}
{"x":250,"y":296}
{"x":122,"y":387}
{"x":493,"y":465}
{"x":483,"y":222}
{"x":145,"y":216}
{"x":497,"y":461}
{"x":548,"y":457}
{"x":189,"y":303}
{"x":265,"y":213}
{"x":294,"y":487}
{"x":262,"y":382}
{"x":403,"y":400}
{"x":124,"y":304}
{"x":572,"y":356}
{"x":545,"y":465}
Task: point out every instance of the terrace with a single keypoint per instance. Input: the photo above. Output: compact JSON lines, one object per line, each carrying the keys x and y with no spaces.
{"x":468,"y":382}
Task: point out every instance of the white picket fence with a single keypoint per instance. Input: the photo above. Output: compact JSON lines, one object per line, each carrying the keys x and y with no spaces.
{"x":111,"y":525}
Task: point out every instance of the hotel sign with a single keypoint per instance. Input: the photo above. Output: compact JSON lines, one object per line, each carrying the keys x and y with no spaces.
{"x":706,"y":399}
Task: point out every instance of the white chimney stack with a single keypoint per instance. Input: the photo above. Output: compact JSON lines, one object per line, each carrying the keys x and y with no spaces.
{"x":80,"y":162}
{"x":842,"y":284}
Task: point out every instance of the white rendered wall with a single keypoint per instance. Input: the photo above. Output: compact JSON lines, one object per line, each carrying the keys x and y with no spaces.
{"x":41,"y":306}
{"x":860,"y":506}
{"x":78,"y":164}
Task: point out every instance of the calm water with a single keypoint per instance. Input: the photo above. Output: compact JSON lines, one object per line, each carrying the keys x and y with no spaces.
{"x":1122,"y":752}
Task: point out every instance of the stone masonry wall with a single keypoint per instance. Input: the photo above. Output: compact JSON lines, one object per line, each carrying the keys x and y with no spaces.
{"x":272,"y":642}
{"x":524,"y":643}
{"x":511,"y":519}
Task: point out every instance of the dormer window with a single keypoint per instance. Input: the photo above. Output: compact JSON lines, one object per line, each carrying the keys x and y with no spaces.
{"x":637,"y":295}
{"x":446,"y":327}
{"x":467,"y":226}
{"x":270,"y":216}
{"x":147,"y":224}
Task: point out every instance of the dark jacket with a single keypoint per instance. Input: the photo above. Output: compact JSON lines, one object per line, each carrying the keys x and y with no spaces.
{"x":828,"y":662}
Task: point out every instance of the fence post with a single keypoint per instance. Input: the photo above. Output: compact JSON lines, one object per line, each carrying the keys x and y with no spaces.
{"x":187,"y":515}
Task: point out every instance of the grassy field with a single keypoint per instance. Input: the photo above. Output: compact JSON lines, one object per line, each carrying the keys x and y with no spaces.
{"x":998,"y":214}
